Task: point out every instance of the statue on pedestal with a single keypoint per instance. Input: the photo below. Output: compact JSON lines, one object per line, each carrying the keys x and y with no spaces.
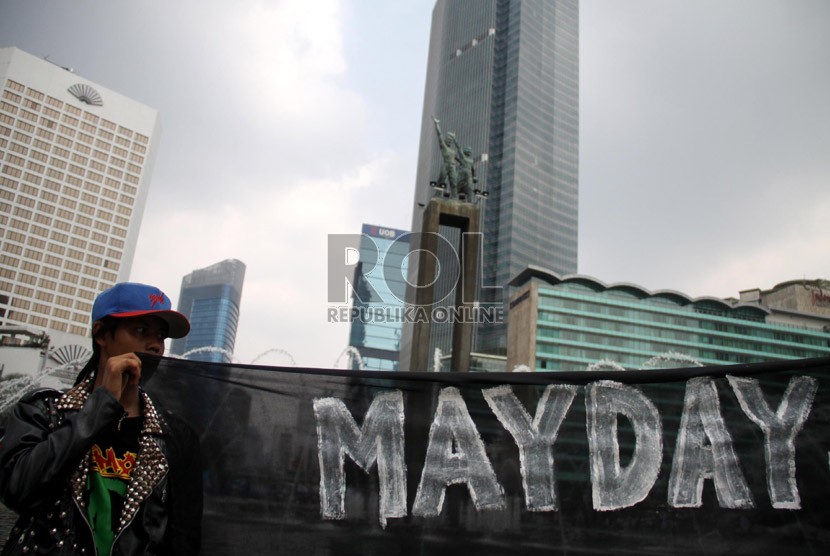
{"x":457,"y":175}
{"x":466,"y":172}
{"x":448,"y":178}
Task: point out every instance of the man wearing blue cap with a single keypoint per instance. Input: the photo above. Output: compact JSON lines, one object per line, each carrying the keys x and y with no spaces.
{"x":100,"y":469}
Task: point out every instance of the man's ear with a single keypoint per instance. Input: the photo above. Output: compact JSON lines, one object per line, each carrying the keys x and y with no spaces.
{"x":96,"y":337}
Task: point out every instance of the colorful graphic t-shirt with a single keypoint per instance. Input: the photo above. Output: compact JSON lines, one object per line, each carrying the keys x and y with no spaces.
{"x":113,"y":459}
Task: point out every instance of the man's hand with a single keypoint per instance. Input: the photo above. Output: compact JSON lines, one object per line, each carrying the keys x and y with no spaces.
{"x":120,"y":376}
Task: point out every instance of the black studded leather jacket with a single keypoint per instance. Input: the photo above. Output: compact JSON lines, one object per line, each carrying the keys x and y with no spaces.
{"x":44,"y":461}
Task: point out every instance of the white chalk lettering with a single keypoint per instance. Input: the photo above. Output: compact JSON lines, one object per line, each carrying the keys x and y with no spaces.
{"x":535,"y":439}
{"x":613,"y":487}
{"x":780,"y":429}
{"x":455,"y":455}
{"x":704,"y":451}
{"x":380,"y":439}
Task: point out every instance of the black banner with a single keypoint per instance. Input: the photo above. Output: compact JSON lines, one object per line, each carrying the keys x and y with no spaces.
{"x":712,"y":460}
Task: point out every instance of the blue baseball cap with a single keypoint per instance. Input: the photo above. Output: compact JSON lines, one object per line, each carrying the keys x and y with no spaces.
{"x":129,"y":299}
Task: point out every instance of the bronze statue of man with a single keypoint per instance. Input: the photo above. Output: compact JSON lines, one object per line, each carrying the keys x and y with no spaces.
{"x":466,"y":171}
{"x":449,"y":155}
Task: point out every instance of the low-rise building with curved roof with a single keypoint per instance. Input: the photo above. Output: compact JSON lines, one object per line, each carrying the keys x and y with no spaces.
{"x":558,"y":323}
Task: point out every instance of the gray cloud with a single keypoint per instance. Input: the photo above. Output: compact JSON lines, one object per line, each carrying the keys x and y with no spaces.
{"x":704,"y":139}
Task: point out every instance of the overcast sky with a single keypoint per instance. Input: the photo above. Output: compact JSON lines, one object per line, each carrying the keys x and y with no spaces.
{"x":704,"y":139}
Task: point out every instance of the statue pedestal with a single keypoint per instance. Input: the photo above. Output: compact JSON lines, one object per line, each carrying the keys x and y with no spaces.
{"x":466,"y":218}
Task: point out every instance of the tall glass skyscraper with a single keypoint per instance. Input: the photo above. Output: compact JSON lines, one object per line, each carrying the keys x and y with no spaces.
{"x":504,"y":76}
{"x":210,"y":298}
{"x":378,"y":285}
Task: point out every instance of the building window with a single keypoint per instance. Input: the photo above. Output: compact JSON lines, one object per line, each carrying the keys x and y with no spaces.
{"x":35,"y":167}
{"x":67,"y":119}
{"x":79,"y":231}
{"x":61,"y":314}
{"x":31,"y":178}
{"x":38,"y":321}
{"x":16,"y":160}
{"x":36,"y":243}
{"x":80,"y":159}
{"x":55,"y":248}
{"x":43,"y":219}
{"x":8,"y":95}
{"x":8,"y":107}
{"x":35,"y":94}
{"x":58,"y":163}
{"x":104,"y":215}
{"x":71,"y":192}
{"x":57,"y":236}
{"x":48,"y":135}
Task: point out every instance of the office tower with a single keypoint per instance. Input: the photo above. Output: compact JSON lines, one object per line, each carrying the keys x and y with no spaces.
{"x":377,"y":295}
{"x":503,"y":75}
{"x":75,"y":165}
{"x":210,"y":298}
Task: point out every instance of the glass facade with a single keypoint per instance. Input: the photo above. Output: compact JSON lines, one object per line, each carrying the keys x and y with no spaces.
{"x":581,"y":322}
{"x":504,"y":76}
{"x":378,"y":297}
{"x":210,"y":299}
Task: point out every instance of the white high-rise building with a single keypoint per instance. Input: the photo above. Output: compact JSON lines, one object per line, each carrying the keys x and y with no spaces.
{"x":75,"y":165}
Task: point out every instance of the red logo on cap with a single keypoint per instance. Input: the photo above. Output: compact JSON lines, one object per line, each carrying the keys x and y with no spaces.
{"x":156,"y":298}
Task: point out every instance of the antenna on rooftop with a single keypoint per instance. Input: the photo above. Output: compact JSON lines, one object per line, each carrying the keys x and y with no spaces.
{"x":70,"y":70}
